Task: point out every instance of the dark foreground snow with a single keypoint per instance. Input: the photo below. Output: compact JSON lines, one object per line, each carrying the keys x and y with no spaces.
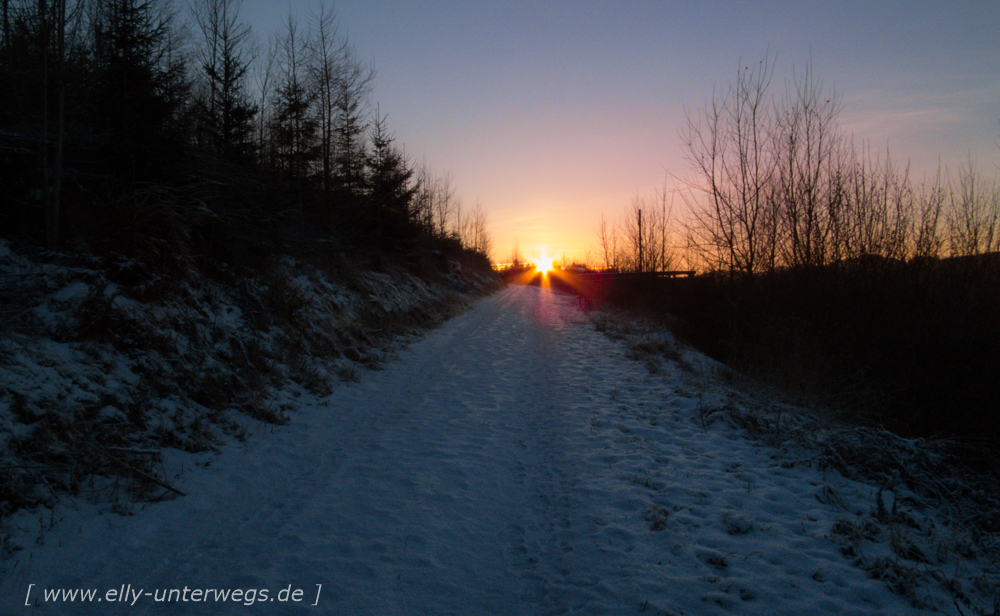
{"x":513,"y":462}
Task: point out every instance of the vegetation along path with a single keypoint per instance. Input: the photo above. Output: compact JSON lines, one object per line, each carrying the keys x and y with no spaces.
{"x":515,"y":461}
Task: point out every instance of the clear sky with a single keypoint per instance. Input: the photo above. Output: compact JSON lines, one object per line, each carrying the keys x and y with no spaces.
{"x":550,"y":112}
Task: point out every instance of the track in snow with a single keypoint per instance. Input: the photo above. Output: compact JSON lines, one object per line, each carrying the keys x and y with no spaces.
{"x":513,"y":462}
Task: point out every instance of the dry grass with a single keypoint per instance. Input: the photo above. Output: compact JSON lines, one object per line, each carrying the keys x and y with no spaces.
{"x":938,"y":500}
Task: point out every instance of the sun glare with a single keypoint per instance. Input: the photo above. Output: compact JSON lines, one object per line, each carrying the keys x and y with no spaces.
{"x":544,"y":265}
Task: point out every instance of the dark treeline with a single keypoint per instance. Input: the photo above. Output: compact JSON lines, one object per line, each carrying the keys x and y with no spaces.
{"x":124,"y":124}
{"x":828,"y":270}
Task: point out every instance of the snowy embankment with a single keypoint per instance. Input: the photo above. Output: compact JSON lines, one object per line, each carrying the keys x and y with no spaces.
{"x":515,"y":461}
{"x":106,"y":361}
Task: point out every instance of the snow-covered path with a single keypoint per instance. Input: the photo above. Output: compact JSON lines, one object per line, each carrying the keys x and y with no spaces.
{"x":512,"y":462}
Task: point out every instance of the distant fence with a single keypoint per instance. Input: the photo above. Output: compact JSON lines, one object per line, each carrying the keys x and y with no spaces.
{"x":595,"y":287}
{"x":636,"y":275}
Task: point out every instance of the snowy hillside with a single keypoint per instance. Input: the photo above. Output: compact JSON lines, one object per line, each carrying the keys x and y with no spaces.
{"x":517,"y":460}
{"x":104,"y":362}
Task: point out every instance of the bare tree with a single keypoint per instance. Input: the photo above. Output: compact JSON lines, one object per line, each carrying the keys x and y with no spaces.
{"x":478,"y":234}
{"x":729,"y":144}
{"x":877,"y":208}
{"x":52,"y":18}
{"x":928,"y":239}
{"x":809,"y":161}
{"x":460,"y":227}
{"x":607,"y":236}
{"x":265,"y":69}
{"x":973,"y":213}
{"x":423,"y":201}
{"x":5,"y":17}
{"x":642,"y":237}
{"x":634,"y":237}
{"x":56,"y":27}
{"x":515,"y":254}
{"x":355,"y":87}
{"x":349,"y":105}
{"x":293,"y":125}
{"x":329,"y":53}
{"x":661,"y":241}
{"x":446,"y":203}
{"x":436,"y":206}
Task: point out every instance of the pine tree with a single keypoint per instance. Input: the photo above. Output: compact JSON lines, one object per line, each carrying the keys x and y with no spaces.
{"x":225,"y":108}
{"x":390,"y":187}
{"x":294,"y":125}
{"x":350,"y":129}
{"x":130,"y":101}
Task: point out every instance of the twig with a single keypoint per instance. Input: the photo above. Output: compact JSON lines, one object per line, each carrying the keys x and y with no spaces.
{"x":144,"y":475}
{"x":149,"y":452}
{"x":957,"y":606}
{"x":36,"y":468}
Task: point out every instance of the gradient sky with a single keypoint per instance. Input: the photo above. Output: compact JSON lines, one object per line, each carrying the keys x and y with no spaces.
{"x":551,"y":112}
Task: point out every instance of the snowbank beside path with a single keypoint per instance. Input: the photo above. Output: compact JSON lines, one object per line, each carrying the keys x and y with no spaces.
{"x":104,"y":361}
{"x":515,"y":461}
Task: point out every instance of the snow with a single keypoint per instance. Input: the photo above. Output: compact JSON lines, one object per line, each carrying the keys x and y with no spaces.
{"x":514,"y":461}
{"x":77,"y":290}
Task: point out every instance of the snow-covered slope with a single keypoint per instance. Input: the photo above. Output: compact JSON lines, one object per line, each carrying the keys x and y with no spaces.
{"x":515,"y":461}
{"x":106,"y":360}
